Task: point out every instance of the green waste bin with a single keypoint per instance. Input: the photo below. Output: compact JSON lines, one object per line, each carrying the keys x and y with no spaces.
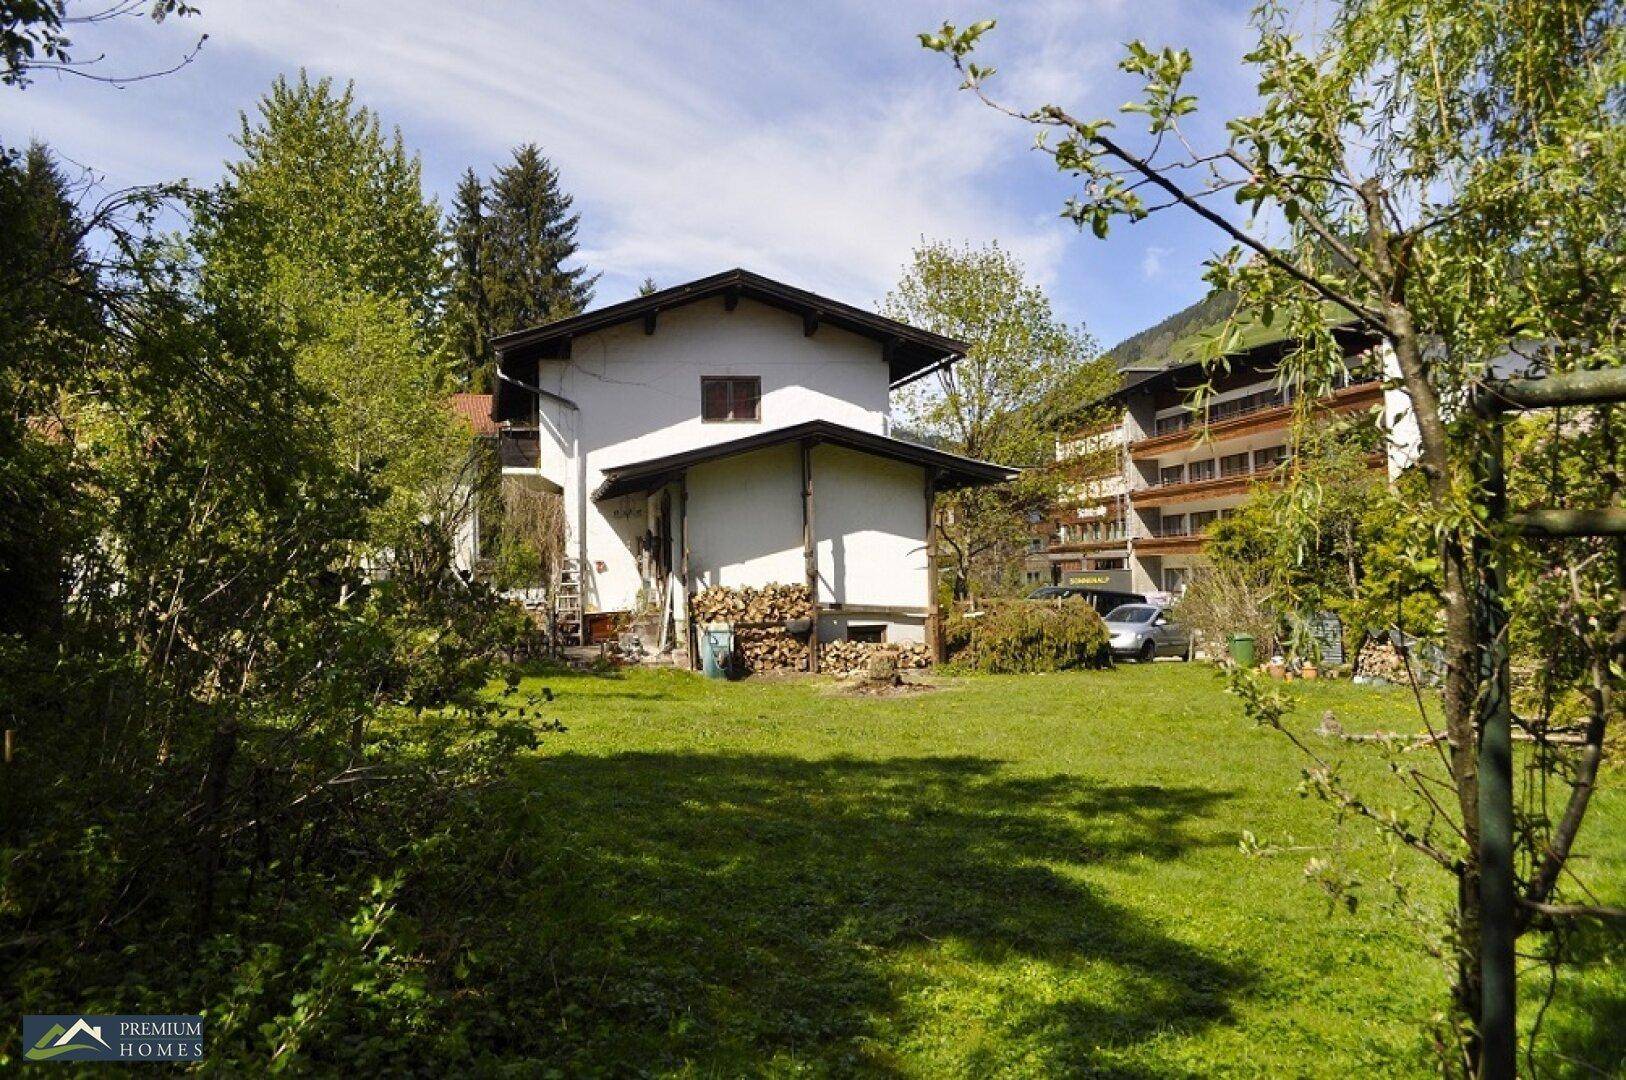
{"x":716,"y":642}
{"x":1242,"y":650}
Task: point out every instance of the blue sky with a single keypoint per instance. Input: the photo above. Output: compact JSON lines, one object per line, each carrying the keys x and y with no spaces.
{"x":814,"y":142}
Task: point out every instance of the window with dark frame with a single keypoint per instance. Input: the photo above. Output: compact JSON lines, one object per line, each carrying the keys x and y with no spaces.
{"x":730,"y":398}
{"x":874,"y":634}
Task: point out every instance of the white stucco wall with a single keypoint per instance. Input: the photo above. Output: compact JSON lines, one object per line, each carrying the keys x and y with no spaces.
{"x":869,"y":519}
{"x":745,"y":520}
{"x":639,"y":397}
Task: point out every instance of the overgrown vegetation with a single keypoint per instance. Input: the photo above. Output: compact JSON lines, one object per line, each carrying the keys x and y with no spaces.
{"x":1011,"y":637}
{"x":245,"y":686}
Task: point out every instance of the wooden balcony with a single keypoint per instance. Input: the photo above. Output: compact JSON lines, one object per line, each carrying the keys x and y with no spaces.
{"x":1078,"y":546}
{"x":1176,"y":544}
{"x":1354,"y":398}
{"x":1186,"y":491}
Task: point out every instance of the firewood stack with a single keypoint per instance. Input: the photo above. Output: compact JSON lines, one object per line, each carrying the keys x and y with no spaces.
{"x":1381,"y":660}
{"x":759,"y":617}
{"x":850,"y":658}
{"x":772,"y":650}
{"x":769,"y":604}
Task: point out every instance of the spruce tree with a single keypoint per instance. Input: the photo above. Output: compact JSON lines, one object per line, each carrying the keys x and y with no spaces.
{"x":469,"y":313}
{"x":530,"y":234}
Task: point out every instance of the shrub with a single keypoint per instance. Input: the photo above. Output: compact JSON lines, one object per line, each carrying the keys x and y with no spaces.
{"x":1018,"y":636}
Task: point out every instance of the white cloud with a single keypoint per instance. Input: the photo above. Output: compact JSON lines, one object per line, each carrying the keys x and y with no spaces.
{"x":657,"y":120}
{"x":1151,"y":261}
{"x":817,"y":143}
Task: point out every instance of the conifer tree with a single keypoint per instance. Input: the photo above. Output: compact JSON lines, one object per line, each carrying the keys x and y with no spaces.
{"x":530,"y":235}
{"x":469,"y":312}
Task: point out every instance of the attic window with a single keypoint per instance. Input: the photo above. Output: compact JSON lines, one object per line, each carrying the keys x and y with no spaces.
{"x":730,"y":398}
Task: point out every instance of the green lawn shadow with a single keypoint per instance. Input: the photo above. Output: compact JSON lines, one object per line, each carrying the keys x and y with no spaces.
{"x":734,"y":914}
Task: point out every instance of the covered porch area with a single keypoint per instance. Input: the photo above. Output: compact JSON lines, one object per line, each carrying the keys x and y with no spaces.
{"x":848,"y":513}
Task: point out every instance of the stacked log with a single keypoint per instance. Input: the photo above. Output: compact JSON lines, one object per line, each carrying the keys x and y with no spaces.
{"x":851,"y":658}
{"x":772,"y":650}
{"x":769,"y":604}
{"x":759,"y":617}
{"x":1381,"y":660}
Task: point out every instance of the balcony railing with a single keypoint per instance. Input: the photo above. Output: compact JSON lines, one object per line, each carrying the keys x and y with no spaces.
{"x":1224,"y":474}
{"x":1220,"y":411}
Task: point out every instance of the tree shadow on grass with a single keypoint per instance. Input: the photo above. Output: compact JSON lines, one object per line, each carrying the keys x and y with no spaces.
{"x":735,"y":914}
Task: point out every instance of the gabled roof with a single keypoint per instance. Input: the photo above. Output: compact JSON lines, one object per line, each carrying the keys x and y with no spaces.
{"x":953,"y":471}
{"x":909,"y":353}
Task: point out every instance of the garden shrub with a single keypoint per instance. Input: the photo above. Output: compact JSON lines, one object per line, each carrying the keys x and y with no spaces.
{"x":1019,"y":636}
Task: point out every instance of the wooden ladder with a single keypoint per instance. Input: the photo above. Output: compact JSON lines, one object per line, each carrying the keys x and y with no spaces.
{"x":567,"y":602}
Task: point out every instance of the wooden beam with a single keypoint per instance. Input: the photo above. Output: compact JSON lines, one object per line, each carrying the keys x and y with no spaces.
{"x":649,"y":322}
{"x":810,"y":323}
{"x":934,"y":617}
{"x":810,"y":554}
{"x":874,"y":609}
{"x":731,"y":298}
{"x":683,"y":533}
{"x":1537,"y":524}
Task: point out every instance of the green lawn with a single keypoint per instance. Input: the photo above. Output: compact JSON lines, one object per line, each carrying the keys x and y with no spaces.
{"x":1031,"y":875}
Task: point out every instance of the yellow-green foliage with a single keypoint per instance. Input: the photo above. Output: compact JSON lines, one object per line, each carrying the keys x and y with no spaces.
{"x":1016,"y":636}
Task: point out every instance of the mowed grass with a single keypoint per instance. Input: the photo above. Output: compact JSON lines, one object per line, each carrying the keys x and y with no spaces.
{"x":1025,"y":876}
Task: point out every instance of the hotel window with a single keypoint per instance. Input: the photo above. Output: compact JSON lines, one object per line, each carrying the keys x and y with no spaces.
{"x":1172,"y":525}
{"x":1202,"y":519}
{"x":1171,"y":474}
{"x":1269,"y":457}
{"x":1201,"y":470}
{"x":1234,"y":464}
{"x":731,"y":398}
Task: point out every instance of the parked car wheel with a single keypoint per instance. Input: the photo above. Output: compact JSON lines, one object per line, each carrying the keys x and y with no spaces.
{"x":1148,"y":652}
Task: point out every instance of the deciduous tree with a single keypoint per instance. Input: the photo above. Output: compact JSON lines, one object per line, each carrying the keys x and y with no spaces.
{"x":1023,"y":366}
{"x":1451,"y":184}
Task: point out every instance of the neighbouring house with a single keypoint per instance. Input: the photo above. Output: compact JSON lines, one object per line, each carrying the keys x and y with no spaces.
{"x":735,"y":431}
{"x":1083,"y":540}
{"x":1143,"y":525}
{"x":474,"y":410}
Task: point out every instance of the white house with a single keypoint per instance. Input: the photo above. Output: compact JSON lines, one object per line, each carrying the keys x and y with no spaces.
{"x":736,"y":431}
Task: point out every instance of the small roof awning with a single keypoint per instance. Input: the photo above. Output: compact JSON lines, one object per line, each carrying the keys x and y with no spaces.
{"x":953,"y":471}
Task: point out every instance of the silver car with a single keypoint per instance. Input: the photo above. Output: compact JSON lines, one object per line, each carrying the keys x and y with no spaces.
{"x":1145,"y":632}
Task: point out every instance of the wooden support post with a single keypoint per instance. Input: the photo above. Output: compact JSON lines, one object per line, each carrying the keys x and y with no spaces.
{"x":1498,"y":931}
{"x":10,"y":736}
{"x":810,"y":554}
{"x":688,"y":609}
{"x":934,"y":616}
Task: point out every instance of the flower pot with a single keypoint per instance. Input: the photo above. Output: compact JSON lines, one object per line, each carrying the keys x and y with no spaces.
{"x":1309,"y":671}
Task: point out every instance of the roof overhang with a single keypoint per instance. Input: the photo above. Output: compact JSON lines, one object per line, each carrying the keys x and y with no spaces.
{"x":950,"y":470}
{"x":1267,"y":353}
{"x":909,"y":353}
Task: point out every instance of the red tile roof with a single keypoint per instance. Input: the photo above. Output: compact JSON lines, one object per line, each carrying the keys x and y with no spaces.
{"x":476,"y":409}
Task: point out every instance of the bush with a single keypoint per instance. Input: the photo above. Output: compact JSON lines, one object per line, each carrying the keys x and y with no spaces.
{"x":1020,"y":636}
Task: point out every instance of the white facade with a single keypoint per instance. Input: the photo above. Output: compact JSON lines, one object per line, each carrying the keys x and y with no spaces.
{"x":634,"y":396}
